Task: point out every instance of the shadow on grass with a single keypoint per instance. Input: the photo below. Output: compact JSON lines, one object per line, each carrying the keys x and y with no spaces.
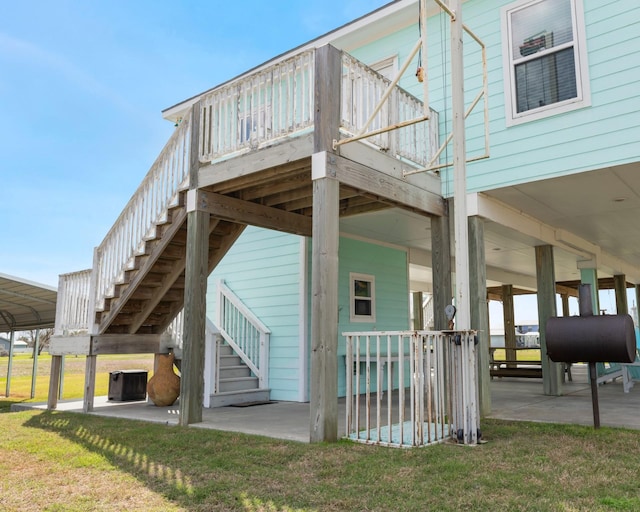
{"x":5,"y":405}
{"x":194,"y":468}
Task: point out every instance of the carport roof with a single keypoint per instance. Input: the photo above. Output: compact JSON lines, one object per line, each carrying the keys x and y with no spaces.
{"x":26,"y":305}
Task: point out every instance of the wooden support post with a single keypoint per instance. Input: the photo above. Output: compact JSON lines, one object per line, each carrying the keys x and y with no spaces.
{"x":590,"y":276}
{"x":479,"y":309}
{"x":441,"y":268}
{"x":324,"y":312}
{"x":508,"y":315}
{"x":54,"y":382}
{"x":545,"y":273}
{"x":195,"y":292}
{"x":620,"y":288}
{"x":324,"y":259}
{"x":89,"y":383}
{"x":195,"y":318}
{"x":565,"y":304}
{"x":418,"y":313}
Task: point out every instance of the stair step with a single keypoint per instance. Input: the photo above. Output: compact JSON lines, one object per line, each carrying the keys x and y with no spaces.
{"x":238,"y":384}
{"x":238,"y":397}
{"x":230,"y":360}
{"x":230,"y":372}
{"x":225,"y":350}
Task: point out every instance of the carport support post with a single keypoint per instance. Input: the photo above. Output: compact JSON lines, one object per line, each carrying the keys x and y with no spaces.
{"x":34,"y":370}
{"x":545,"y":273}
{"x":479,"y":309}
{"x":12,"y":337}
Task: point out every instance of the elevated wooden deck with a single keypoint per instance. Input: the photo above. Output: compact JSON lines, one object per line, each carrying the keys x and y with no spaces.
{"x":259,"y":151}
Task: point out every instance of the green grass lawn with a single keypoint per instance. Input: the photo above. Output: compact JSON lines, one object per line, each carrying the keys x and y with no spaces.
{"x":522,"y":355}
{"x":60,"y":461}
{"x":63,"y":461}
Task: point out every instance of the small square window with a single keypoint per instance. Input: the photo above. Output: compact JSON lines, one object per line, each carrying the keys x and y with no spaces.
{"x":362,"y":298}
{"x":544,"y":59}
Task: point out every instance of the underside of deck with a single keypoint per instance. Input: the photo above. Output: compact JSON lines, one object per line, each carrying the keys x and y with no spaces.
{"x":278,"y":197}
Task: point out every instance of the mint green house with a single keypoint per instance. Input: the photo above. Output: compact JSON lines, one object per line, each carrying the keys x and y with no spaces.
{"x":314,"y":195}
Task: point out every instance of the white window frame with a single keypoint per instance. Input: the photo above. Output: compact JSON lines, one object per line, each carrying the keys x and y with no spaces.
{"x":583,"y":98}
{"x":353,"y":317}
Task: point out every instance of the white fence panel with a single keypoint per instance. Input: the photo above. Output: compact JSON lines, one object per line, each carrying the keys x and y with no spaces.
{"x":411,"y":388}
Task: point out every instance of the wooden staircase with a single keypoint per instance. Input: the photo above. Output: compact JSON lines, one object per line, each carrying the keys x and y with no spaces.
{"x":236,"y":383}
{"x":151,"y":291}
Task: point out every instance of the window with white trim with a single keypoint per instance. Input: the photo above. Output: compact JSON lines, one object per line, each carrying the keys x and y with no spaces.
{"x":545,"y":63}
{"x":362,"y":298}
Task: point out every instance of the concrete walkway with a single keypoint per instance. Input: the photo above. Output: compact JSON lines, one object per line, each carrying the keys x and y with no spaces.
{"x":512,"y":399}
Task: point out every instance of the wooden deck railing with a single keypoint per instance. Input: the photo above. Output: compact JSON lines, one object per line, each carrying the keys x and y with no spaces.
{"x":411,"y":388}
{"x":362,"y":90}
{"x":258,"y":109}
{"x":249,"y":113}
{"x":72,"y":308}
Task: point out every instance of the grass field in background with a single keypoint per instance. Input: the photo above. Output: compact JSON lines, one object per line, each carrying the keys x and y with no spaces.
{"x":522,"y":355}
{"x":74,"y":366}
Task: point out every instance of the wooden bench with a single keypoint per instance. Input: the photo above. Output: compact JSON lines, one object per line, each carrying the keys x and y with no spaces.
{"x":518,"y":367}
{"x":514,"y":368}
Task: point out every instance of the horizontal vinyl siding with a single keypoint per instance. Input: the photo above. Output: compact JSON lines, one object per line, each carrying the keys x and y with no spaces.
{"x":390,"y":268}
{"x":263,"y":269}
{"x":604,"y":134}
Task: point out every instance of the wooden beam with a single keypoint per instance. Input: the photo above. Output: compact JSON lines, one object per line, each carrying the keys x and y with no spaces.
{"x":246,"y":212}
{"x":195,"y":318}
{"x":551,"y":372}
{"x":397,"y":191}
{"x":125,"y":344}
{"x":283,"y":153}
{"x":70,"y":345}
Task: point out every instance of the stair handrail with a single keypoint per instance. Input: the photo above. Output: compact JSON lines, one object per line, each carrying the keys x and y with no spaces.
{"x":427,"y":313}
{"x":160,"y":188}
{"x":244,"y":331}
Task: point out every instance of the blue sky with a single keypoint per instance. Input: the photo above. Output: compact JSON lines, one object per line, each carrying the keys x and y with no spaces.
{"x":82,"y":87}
